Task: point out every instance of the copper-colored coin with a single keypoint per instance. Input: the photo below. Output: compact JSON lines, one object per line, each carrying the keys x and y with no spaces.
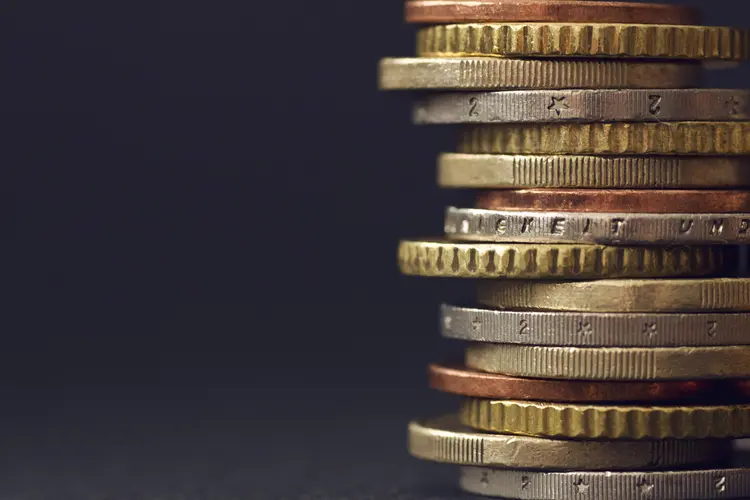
{"x":622,"y":201}
{"x":460,"y":380}
{"x":570,"y":11}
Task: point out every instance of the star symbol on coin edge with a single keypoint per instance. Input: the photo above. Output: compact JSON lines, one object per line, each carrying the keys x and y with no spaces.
{"x":583,"y":487}
{"x":645,"y":487}
{"x":558,"y":105}
{"x":734,"y":105}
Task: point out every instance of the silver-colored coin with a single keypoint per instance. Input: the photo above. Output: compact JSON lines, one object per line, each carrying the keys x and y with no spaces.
{"x":470,"y":224}
{"x":568,"y":329}
{"x":445,"y":440}
{"x":705,"y":484}
{"x":526,"y":106}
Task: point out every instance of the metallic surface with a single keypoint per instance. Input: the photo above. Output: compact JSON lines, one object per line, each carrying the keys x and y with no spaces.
{"x":570,"y":11}
{"x":675,"y":138}
{"x":704,"y":484}
{"x":517,"y":260}
{"x":602,"y":228}
{"x":493,"y":73}
{"x":457,"y":170}
{"x":457,"y":379}
{"x":611,"y":363}
{"x":581,"y":421}
{"x":445,"y":440}
{"x":663,"y":295}
{"x":583,"y":105}
{"x":605,"y":200}
{"x":572,"y":329}
{"x":583,"y":40}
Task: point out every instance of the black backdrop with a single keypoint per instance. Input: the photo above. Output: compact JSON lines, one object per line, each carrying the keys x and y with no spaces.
{"x":203,"y":202}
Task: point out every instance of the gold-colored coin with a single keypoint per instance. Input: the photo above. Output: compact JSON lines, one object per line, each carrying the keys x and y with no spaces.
{"x":673,"y":138}
{"x":576,"y":421}
{"x":583,"y":40}
{"x":662,"y":295}
{"x":484,"y":73}
{"x":612,"y":363}
{"x":596,"y":172}
{"x":518,"y":260}
{"x":444,"y":439}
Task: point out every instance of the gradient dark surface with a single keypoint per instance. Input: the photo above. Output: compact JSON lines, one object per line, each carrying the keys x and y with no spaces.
{"x":202,"y":299}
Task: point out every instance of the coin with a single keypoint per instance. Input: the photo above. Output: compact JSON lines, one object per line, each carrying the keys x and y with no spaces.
{"x":663,"y":295}
{"x":445,"y":440}
{"x":670,"y":485}
{"x":606,"y":200}
{"x":581,"y":421}
{"x":573,"y":329}
{"x":489,"y":73}
{"x":611,"y":363}
{"x":583,"y":40}
{"x":457,"y":379}
{"x":517,"y":260}
{"x":583,"y":105}
{"x":674,"y":138}
{"x":600,"y":228}
{"x":571,"y":11}
{"x":523,"y":171}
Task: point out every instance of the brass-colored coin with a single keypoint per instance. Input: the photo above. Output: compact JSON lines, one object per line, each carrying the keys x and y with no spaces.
{"x":488,"y":171}
{"x":485,"y":73}
{"x":518,"y":260}
{"x":674,"y":138}
{"x":445,"y":440}
{"x":611,"y":363}
{"x":579,"y":421}
{"x":663,"y":295}
{"x":661,"y":41}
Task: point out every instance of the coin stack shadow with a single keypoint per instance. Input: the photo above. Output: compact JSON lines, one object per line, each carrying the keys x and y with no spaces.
{"x":609,"y":349}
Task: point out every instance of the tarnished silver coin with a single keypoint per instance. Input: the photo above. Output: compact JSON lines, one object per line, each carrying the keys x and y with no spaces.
{"x":705,"y":484}
{"x":629,"y":105}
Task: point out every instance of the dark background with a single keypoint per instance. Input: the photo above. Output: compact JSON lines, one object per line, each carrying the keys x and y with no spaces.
{"x":203,"y":203}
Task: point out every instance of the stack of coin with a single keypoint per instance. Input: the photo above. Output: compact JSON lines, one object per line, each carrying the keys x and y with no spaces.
{"x":609,"y":349}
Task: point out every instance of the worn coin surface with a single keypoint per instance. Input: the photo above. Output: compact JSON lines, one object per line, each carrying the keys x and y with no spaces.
{"x":583,"y":105}
{"x":575,"y":329}
{"x":456,"y":170}
{"x":444,"y":439}
{"x":596,"y":227}
{"x":458,"y":379}
{"x":674,"y":138}
{"x":583,"y":40}
{"x":582,"y":421}
{"x":704,"y":484}
{"x":518,"y":260}
{"x":630,"y":295}
{"x":479,"y":73}
{"x":607,"y":200}
{"x":572,"y":11}
{"x":611,"y":363}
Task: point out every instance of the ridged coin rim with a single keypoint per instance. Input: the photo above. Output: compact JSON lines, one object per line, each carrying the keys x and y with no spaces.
{"x":435,"y":258}
{"x":606,"y":422}
{"x":584,"y":40}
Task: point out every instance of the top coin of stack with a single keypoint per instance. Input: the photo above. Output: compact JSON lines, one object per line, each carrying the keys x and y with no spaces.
{"x":599,"y":158}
